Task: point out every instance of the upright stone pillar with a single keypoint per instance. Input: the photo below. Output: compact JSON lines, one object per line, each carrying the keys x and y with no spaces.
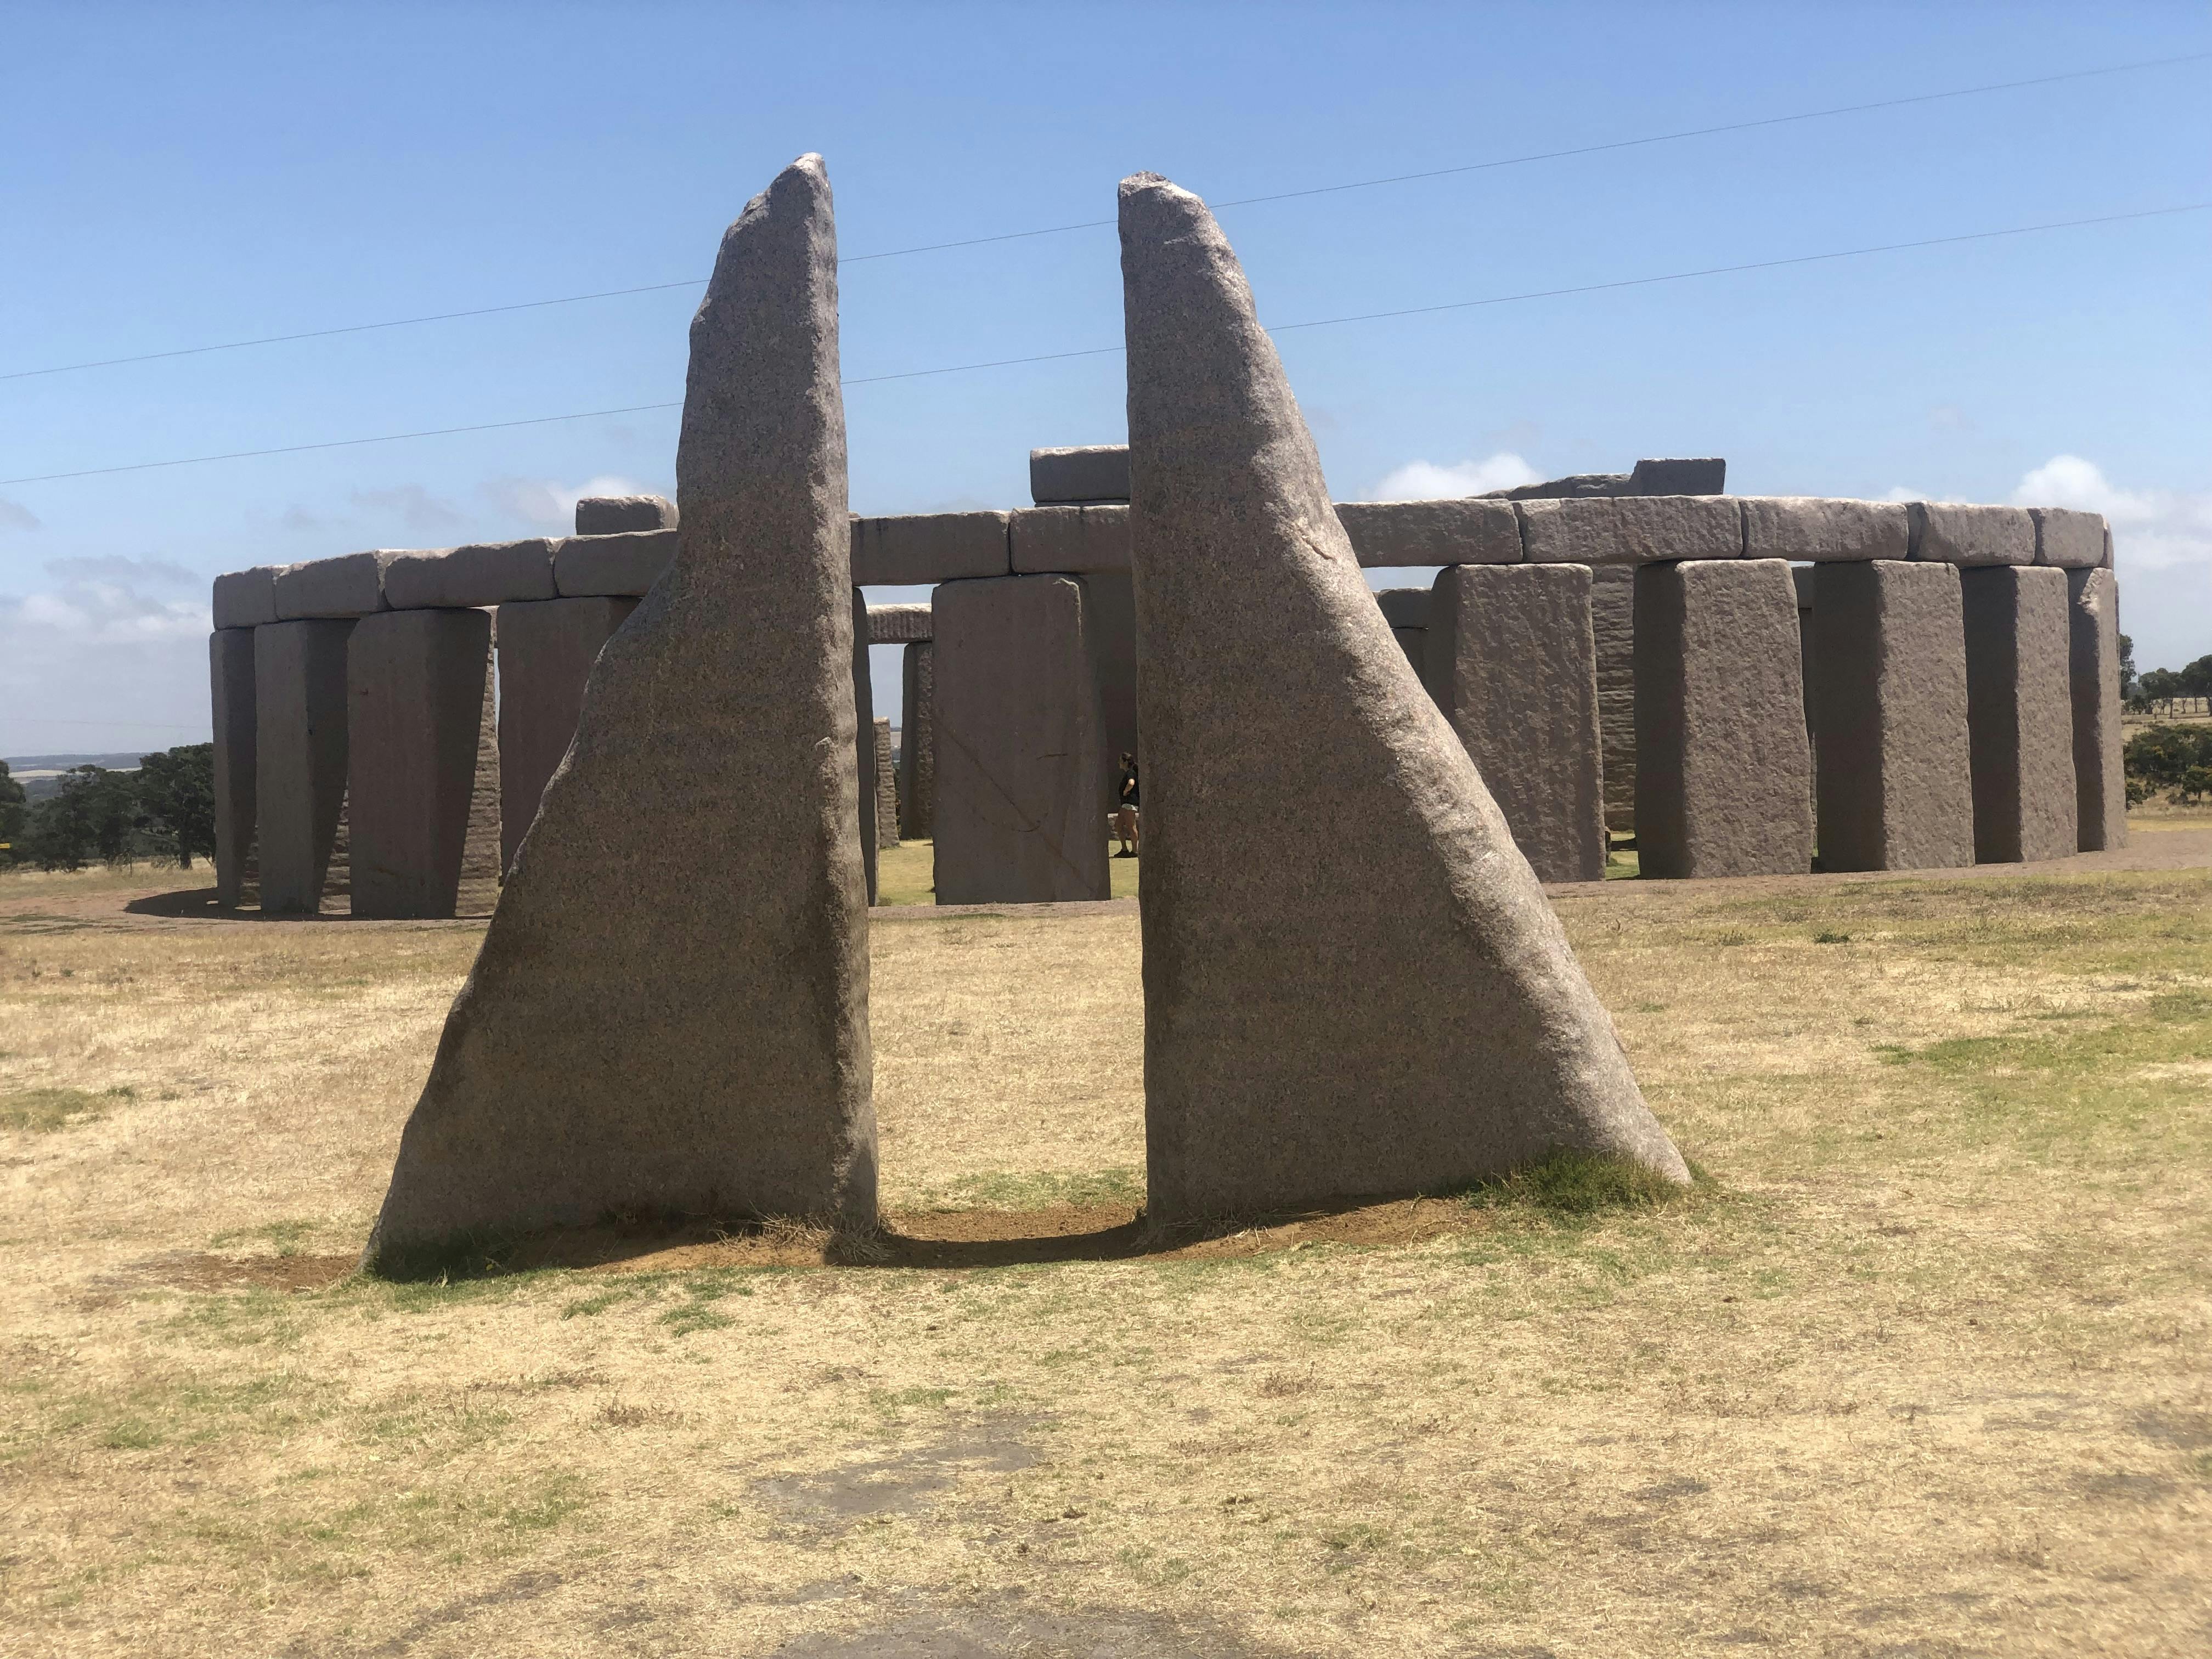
{"x":864,"y":739}
{"x":1723,"y":783}
{"x":1889,"y":710}
{"x":1022,"y":795}
{"x":230,"y":675}
{"x":546,"y":649}
{"x":887,"y":831}
{"x":669,"y":1014}
{"x":1353,"y":985}
{"x":416,"y":696}
{"x":1513,"y":664}
{"x":299,"y":757}
{"x":917,"y":781}
{"x":2019,"y":712}
{"x":2101,"y":791}
{"x":1109,"y":614}
{"x":1612,"y":622}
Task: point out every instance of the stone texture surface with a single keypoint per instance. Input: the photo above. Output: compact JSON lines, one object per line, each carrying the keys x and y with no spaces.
{"x":1575,"y":486}
{"x":351,"y":585}
{"x":1353,"y":985}
{"x":670,"y":1009}
{"x":2019,"y":712}
{"x":611,"y":515}
{"x":1110,"y":630}
{"x":1817,"y":528}
{"x":1512,"y":662}
{"x":1071,"y":540}
{"x":1723,"y":781}
{"x":1472,"y":531}
{"x":1020,"y":812}
{"x":1612,"y":621}
{"x":917,"y":758}
{"x":886,"y":802}
{"x":231,"y":701}
{"x":246,"y":599}
{"x":2093,"y":634}
{"x":1952,"y":532}
{"x":1631,"y":530}
{"x":2069,"y":538}
{"x":1704,"y":476}
{"x":864,"y":742}
{"x":299,"y":759}
{"x":481,"y":573}
{"x":546,"y":650}
{"x":1406,"y":607}
{"x":1889,"y":717}
{"x":1414,"y":642}
{"x":909,"y":548}
{"x":619,"y":566}
{"x":416,"y":687}
{"x":899,"y":624}
{"x":1097,"y":473}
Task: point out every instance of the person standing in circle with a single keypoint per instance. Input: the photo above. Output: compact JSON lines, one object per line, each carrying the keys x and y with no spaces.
{"x":1125,"y":808}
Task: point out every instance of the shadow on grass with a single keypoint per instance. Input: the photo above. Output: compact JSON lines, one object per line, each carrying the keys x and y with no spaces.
{"x":1568,"y":1189}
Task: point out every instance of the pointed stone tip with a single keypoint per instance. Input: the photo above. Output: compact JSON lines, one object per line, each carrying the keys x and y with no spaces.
{"x":1141,"y":189}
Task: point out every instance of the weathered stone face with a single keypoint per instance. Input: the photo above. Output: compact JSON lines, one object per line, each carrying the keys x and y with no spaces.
{"x":1889,"y":717}
{"x":299,"y":754}
{"x":1723,"y":773}
{"x":2093,"y":633}
{"x":2019,"y":712}
{"x":670,"y":1009}
{"x":230,"y":678}
{"x":546,"y":649}
{"x":612,"y":515}
{"x":1513,"y":662}
{"x":1353,"y":985}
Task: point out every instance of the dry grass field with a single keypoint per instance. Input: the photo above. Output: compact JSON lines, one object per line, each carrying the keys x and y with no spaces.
{"x":1925,"y":1370}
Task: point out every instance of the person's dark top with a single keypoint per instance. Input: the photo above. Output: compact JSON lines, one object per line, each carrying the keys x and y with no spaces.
{"x":1128,"y":791}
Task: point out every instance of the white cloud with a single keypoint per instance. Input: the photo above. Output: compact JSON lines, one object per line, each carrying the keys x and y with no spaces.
{"x":1424,"y":481}
{"x":14,"y":515}
{"x":114,"y":567}
{"x":94,"y":659}
{"x":413,"y":506}
{"x":547,"y":502}
{"x":2152,"y":529}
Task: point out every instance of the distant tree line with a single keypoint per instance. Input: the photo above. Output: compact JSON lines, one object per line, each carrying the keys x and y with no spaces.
{"x":2142,"y":690}
{"x":2177,"y":759}
{"x":162,"y":813}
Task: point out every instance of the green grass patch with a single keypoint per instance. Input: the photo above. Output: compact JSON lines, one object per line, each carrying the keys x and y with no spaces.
{"x":1578,"y":1184}
{"x":42,"y":1111}
{"x":1035,"y":1189}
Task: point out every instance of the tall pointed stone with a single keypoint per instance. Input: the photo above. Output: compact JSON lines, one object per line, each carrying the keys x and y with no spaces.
{"x":1382,"y":1001}
{"x":670,"y":1010}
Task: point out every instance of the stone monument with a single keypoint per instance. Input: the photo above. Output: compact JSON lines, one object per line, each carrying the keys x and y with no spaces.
{"x":670,"y":1010}
{"x":1353,"y":985}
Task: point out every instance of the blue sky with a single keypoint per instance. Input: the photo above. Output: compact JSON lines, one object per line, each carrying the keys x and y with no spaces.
{"x":177,"y":175}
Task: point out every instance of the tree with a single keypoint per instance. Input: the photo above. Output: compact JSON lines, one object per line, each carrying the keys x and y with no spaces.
{"x":2178,"y":758}
{"x":12,"y":814}
{"x":92,"y":816}
{"x":176,"y":794}
{"x":2127,"y":668}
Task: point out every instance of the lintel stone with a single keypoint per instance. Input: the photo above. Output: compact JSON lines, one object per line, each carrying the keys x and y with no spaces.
{"x":906,"y":549}
{"x":609,"y":515}
{"x":1468,"y":530}
{"x":899,"y":624}
{"x":1955,"y":533}
{"x":246,"y":599}
{"x":2071,"y":539}
{"x":1096,"y":472}
{"x":1818,"y":529}
{"x":621,"y":566}
{"x":1070,"y":540}
{"x":351,"y":585}
{"x":465,"y":578}
{"x":1631,"y":529}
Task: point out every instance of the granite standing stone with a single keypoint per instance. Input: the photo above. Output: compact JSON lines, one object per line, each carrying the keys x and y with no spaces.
{"x":1109,"y":619}
{"x":669,"y":1014}
{"x":546,"y":650}
{"x":1612,"y":621}
{"x":887,"y":830}
{"x":1021,"y":790}
{"x":864,"y":741}
{"x":2100,"y":789}
{"x":2019,"y":712}
{"x":917,"y":760}
{"x":416,"y":690}
{"x":1723,"y":778}
{"x":1353,"y":985}
{"x":1889,"y":717}
{"x":230,"y":676}
{"x":299,"y":759}
{"x":1513,"y":663}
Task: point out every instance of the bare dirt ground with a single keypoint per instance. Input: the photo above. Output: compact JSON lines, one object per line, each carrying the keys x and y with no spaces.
{"x":1924,"y":1371}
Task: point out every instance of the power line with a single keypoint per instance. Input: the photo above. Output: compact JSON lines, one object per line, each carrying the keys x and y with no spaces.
{"x":1107,"y":351}
{"x":1098,"y":224}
